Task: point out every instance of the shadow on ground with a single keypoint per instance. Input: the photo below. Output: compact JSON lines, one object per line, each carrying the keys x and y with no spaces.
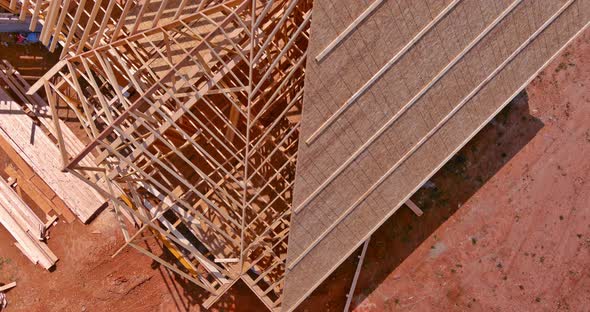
{"x":186,"y":296}
{"x":440,"y":198}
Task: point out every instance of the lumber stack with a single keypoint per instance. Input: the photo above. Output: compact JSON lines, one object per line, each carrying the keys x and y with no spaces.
{"x":41,"y":154}
{"x":25,"y":227}
{"x":35,"y":188}
{"x":41,"y":110}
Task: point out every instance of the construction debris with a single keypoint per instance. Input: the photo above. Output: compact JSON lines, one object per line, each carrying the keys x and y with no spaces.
{"x":8,"y":286}
{"x":3,"y":300}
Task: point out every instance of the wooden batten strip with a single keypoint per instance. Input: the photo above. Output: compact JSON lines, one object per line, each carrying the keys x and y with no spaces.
{"x":381,"y":72}
{"x":349,"y":29}
{"x":407,"y":106}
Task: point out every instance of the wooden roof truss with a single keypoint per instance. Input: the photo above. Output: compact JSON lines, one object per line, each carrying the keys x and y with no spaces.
{"x":196,"y":118}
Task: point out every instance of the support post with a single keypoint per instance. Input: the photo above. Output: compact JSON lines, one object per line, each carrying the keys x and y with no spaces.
{"x":357,"y":273}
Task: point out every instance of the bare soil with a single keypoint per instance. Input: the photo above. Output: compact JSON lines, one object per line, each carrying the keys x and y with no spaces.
{"x":518,"y":238}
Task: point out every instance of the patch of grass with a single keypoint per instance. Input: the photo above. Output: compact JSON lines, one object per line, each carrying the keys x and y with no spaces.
{"x":560,"y":67}
{"x":4,"y":261}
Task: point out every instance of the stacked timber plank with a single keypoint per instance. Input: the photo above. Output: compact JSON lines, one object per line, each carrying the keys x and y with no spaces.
{"x":19,"y":86}
{"x":41,"y":154}
{"x":33,"y":186}
{"x":25,"y":227}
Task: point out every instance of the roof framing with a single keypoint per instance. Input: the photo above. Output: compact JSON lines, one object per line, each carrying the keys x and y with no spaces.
{"x":195,"y":118}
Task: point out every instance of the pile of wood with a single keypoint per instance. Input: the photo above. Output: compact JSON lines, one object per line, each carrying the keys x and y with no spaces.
{"x":39,"y":151}
{"x":24,"y":225}
{"x":27,"y":137}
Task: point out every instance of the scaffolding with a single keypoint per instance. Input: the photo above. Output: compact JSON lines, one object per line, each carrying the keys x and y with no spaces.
{"x":191,"y":110}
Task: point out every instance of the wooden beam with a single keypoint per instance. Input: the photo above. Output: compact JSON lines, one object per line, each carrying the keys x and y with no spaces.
{"x":357,"y":273}
{"x":60,"y":23}
{"x":414,"y":207}
{"x":50,"y":73}
{"x":349,"y":29}
{"x":7,"y":286}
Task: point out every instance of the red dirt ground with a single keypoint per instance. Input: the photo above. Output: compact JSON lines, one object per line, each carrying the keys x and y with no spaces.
{"x":506,"y":228}
{"x":522,"y":241}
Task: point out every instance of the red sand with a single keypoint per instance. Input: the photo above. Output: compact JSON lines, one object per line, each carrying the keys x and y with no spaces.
{"x":522,"y":241}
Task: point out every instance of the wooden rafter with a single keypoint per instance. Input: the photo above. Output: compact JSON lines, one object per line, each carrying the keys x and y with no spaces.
{"x":195,"y":117}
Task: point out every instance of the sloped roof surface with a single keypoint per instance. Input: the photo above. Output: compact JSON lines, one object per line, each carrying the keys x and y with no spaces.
{"x":454,"y":65}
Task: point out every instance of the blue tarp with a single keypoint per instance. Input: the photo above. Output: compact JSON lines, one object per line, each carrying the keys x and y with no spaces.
{"x":33,"y":37}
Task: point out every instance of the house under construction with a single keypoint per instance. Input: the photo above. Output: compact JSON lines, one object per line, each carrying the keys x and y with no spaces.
{"x":267,"y":140}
